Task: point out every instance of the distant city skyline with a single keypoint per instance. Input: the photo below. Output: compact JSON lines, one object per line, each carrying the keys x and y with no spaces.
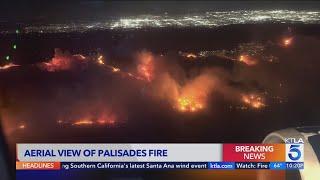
{"x":207,"y":19}
{"x":35,"y":11}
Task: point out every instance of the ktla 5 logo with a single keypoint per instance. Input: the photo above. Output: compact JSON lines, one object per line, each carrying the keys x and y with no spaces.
{"x":294,"y":152}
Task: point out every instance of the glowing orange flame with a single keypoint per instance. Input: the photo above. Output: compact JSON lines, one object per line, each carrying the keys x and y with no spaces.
{"x":106,"y":122}
{"x":114,"y":69}
{"x":22,"y":126}
{"x":287,"y":41}
{"x":83,"y":122}
{"x":103,"y":119}
{"x":189,"y":104}
{"x":8,"y":66}
{"x":56,"y":64}
{"x":254,"y":101}
{"x":191,"y":56}
{"x":146,"y":65}
{"x":106,"y":119}
{"x":190,"y":97}
{"x":62,"y":61}
{"x":100,"y":59}
{"x":247,"y":60}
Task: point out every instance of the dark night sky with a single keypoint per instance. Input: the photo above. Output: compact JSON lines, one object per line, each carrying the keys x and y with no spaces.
{"x":55,"y":11}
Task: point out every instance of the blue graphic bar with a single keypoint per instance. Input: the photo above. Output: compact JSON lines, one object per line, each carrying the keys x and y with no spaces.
{"x":277,"y":165}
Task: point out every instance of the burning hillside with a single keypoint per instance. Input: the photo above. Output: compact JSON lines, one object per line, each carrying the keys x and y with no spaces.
{"x":101,"y":94}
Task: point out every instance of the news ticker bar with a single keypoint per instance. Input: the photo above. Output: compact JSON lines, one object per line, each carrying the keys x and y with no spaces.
{"x":159,"y":165}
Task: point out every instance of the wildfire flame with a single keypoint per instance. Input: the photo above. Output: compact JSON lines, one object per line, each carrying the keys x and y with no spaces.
{"x":22,"y":126}
{"x":287,"y":41}
{"x":114,"y":69}
{"x":191,"y":56}
{"x":254,"y":101}
{"x":62,"y":61}
{"x":191,"y":96}
{"x":146,"y":66}
{"x":83,"y":122}
{"x":8,"y":66}
{"x":106,"y":122}
{"x":247,"y":60}
{"x":188,"y":55}
{"x":189,"y":104}
{"x":100,"y":120}
{"x":100,"y":59}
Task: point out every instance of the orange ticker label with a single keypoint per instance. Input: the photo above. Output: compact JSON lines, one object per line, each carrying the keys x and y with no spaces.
{"x":37,"y":165}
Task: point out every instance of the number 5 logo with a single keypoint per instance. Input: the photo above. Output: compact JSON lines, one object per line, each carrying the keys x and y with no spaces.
{"x":294,"y":152}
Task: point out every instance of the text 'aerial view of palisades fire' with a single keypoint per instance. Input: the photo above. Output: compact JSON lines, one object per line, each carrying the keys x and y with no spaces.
{"x":96,"y":71}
